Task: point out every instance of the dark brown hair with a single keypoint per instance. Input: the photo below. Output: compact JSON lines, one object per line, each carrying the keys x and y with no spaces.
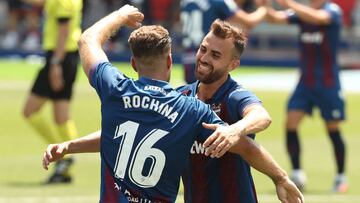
{"x":224,"y":30}
{"x":150,"y":41}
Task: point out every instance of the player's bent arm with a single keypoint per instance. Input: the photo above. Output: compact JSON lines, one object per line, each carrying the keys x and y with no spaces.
{"x":310,"y":15}
{"x":276,"y":17}
{"x":249,"y":20}
{"x":260,"y":159}
{"x":92,"y":40}
{"x":88,"y":143}
{"x":255,"y":119}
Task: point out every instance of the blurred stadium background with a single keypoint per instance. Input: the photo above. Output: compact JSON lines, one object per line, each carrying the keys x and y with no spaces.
{"x":268,"y":69}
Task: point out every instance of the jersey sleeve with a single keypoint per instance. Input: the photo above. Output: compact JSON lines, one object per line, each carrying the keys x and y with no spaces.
{"x":65,"y":9}
{"x":292,"y":17}
{"x":104,"y":77}
{"x":240,"y":99}
{"x":225,"y":8}
{"x":335,"y":13}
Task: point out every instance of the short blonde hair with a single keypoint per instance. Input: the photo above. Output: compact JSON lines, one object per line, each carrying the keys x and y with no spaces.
{"x":150,"y":41}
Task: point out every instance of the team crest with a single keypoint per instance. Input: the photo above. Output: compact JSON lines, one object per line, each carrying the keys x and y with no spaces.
{"x":216,"y":108}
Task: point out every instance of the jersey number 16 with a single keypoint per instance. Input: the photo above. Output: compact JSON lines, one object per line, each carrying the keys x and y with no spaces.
{"x":143,"y":152}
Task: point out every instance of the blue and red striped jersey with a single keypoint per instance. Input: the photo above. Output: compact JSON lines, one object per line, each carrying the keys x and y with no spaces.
{"x":148,"y":129}
{"x":227,"y":179}
{"x":319,"y":48}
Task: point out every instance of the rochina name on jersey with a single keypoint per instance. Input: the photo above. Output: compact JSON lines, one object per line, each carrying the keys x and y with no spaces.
{"x":146,"y":102}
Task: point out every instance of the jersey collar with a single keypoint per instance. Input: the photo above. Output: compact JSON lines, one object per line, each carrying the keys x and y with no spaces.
{"x":160,"y":83}
{"x":220,"y":92}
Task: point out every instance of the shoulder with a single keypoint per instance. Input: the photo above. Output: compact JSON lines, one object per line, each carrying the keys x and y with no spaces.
{"x":333,"y":7}
{"x":238,"y":92}
{"x":188,"y":89}
{"x":241,"y":96}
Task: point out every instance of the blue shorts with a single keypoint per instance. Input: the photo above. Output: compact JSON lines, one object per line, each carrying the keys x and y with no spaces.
{"x":330,"y":101}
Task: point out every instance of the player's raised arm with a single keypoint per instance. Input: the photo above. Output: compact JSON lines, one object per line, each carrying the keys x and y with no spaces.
{"x":250,"y":20}
{"x":306,"y":13}
{"x":92,"y":40}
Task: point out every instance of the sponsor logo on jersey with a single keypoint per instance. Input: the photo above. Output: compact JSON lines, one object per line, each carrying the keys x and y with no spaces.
{"x":197,"y":148}
{"x":131,"y":197}
{"x":155,"y":89}
{"x":216,"y":108}
{"x":312,"y":37}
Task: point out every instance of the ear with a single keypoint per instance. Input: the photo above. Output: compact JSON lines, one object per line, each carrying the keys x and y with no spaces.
{"x":169,"y":61}
{"x":235,"y":63}
{"x":133,"y":64}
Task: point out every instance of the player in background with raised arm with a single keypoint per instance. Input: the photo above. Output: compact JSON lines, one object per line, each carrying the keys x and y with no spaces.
{"x":55,"y":80}
{"x":197,"y":16}
{"x":147,"y":127}
{"x":319,"y":86}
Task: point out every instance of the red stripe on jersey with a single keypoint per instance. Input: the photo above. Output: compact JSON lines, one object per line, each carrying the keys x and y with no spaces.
{"x":328,"y":76}
{"x":111,"y":193}
{"x":199,"y":178}
{"x":308,"y":56}
{"x":229,"y":184}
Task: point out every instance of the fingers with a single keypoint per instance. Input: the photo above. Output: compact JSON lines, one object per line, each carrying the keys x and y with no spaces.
{"x":216,"y":145}
{"x":213,"y":137}
{"x":53,"y":152}
{"x":133,"y":15}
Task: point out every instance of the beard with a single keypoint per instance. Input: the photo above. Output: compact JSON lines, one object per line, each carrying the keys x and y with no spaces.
{"x":211,"y":74}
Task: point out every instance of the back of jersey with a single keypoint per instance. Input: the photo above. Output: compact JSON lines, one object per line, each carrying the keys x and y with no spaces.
{"x":147,"y":132}
{"x":197,"y":17}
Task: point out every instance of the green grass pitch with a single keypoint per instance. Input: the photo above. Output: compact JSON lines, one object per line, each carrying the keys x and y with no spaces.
{"x":21,"y":148}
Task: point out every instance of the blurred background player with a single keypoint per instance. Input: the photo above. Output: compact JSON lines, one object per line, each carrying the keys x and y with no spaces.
{"x":55,"y":80}
{"x":319,"y":86}
{"x":22,"y":27}
{"x":197,"y":16}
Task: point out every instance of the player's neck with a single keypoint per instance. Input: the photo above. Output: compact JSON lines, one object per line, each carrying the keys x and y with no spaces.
{"x":207,"y":91}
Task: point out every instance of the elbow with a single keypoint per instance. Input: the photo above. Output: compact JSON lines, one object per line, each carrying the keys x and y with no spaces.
{"x":84,"y":39}
{"x":267,"y":121}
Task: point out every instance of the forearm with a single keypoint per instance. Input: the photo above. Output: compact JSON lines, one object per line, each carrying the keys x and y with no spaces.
{"x":89,"y":143}
{"x":249,"y":20}
{"x":254,"y":121}
{"x":59,"y":52}
{"x":259,"y":158}
{"x":92,"y":40}
{"x":308,"y":14}
{"x":257,"y":16}
{"x":278,"y":17}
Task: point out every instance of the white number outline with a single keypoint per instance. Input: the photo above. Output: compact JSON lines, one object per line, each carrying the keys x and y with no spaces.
{"x":192,"y":23}
{"x":143,"y":150}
